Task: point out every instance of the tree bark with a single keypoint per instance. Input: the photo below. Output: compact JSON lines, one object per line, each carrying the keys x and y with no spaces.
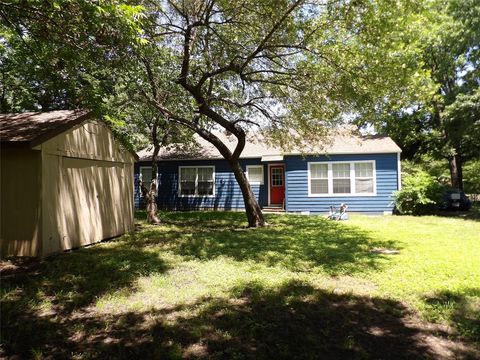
{"x":456,"y":171}
{"x":150,"y":195}
{"x":252,"y":208}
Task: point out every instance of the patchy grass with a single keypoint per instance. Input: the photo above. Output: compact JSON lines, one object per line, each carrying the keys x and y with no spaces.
{"x":201,"y":285}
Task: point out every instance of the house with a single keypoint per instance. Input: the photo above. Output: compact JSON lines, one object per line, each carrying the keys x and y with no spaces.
{"x":65,"y":182}
{"x":362,"y":171}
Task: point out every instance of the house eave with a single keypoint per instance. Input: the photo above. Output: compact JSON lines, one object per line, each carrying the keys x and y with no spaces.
{"x":278,"y":157}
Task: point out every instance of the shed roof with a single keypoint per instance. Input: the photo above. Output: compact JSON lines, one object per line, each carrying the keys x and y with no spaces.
{"x":257,"y":147}
{"x":34,"y":128}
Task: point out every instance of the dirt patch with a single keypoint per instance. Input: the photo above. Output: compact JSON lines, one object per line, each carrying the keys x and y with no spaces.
{"x":18,"y":265}
{"x":385,"y":251}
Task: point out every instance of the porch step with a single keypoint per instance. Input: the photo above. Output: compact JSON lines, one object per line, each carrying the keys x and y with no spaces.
{"x":274,"y":209}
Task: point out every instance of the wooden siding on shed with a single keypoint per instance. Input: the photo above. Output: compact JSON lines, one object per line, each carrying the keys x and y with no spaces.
{"x":297,"y":198}
{"x":20,"y":195}
{"x":88,"y":201}
{"x":87,"y":179}
{"x":89,"y":140}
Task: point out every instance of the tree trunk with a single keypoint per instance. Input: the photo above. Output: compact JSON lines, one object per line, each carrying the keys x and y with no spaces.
{"x":151,"y":204}
{"x":252,"y":208}
{"x":456,"y":171}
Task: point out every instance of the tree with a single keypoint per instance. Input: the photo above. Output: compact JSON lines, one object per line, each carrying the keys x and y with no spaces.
{"x":443,"y":122}
{"x":290,"y":68}
{"x":271,"y":65}
{"x":62,"y":54}
{"x":142,"y":125}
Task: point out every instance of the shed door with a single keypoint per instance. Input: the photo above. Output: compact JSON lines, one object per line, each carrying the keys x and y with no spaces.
{"x":94,"y":201}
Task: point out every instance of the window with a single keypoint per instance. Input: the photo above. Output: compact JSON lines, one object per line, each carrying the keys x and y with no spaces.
{"x":364,"y":177}
{"x":146,"y":175}
{"x":277,"y":176}
{"x":319,"y":178}
{"x":255,"y":174}
{"x":341,"y":178}
{"x":196,"y":181}
{"x":332,"y":178}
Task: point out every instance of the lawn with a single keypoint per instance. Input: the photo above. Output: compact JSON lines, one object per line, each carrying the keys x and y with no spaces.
{"x":201,"y":285}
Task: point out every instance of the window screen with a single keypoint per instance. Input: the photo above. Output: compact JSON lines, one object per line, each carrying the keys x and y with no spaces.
{"x":319,"y":178}
{"x":196,"y":181}
{"x":364,"y":178}
{"x":341,"y":178}
{"x":255,"y":174}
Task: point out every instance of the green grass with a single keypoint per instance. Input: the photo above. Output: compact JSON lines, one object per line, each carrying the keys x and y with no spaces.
{"x":201,"y":285}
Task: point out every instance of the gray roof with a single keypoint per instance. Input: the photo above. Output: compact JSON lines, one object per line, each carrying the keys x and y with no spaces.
{"x":257,"y":147}
{"x":33,"y":128}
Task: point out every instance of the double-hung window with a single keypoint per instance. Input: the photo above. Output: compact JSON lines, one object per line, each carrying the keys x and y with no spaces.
{"x":341,"y":178}
{"x":364,"y":181}
{"x":255,"y":174}
{"x":146,"y":175}
{"x":196,"y":180}
{"x":319,"y":178}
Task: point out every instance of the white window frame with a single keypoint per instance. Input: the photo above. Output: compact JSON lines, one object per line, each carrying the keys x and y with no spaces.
{"x":352,"y":178}
{"x":255,"y":182}
{"x":196,"y":181}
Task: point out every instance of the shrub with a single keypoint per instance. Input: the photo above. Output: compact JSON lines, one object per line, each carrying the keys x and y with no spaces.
{"x":420,"y":193}
{"x":471,"y":177}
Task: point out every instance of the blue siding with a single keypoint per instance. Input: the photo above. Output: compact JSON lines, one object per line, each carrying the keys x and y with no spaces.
{"x":227,"y":192}
{"x":228,"y":195}
{"x":297,"y":198}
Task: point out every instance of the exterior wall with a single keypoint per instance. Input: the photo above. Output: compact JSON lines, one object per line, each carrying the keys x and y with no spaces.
{"x":89,"y":140}
{"x":20,"y":212}
{"x":87,"y":186}
{"x":297,"y":198}
{"x":228,"y":195}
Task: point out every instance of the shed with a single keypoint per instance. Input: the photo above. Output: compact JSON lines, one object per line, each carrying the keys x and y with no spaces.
{"x":65,"y":183}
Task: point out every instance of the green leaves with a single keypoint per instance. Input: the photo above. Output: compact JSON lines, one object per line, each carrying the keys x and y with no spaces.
{"x":420,"y":193}
{"x":63,"y":54}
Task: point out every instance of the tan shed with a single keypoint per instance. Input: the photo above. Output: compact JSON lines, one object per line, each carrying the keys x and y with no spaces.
{"x":65,"y":183}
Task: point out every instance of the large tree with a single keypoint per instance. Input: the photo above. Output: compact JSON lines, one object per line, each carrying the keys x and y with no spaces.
{"x":63,"y":54}
{"x":444,"y":122}
{"x":142,"y":126}
{"x":272,"y":65}
{"x":291,"y":68}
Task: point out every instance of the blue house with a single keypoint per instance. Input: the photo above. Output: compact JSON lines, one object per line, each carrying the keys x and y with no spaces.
{"x":361,"y":171}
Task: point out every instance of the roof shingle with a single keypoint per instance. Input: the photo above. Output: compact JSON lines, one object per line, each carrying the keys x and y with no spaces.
{"x":257,"y":147}
{"x":34,"y":128}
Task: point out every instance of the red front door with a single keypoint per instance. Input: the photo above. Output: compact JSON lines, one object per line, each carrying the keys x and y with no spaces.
{"x":277,"y":184}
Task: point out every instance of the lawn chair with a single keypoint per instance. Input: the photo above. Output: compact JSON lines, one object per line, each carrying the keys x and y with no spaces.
{"x":340,"y":214}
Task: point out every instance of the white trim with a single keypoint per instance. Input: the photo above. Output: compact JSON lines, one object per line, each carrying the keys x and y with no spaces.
{"x":399,"y":173}
{"x":196,"y":181}
{"x":352,"y":179}
{"x":255,"y":182}
{"x":266,"y":158}
{"x":329,"y":176}
{"x":268,"y":179}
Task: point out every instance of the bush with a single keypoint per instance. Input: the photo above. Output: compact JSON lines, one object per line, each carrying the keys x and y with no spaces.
{"x":420,"y":193}
{"x":471,"y":177}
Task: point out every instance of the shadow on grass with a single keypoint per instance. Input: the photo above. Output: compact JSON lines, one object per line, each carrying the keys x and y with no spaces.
{"x":457,"y":308}
{"x":65,"y":283}
{"x":295,"y":321}
{"x":299,"y":243}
